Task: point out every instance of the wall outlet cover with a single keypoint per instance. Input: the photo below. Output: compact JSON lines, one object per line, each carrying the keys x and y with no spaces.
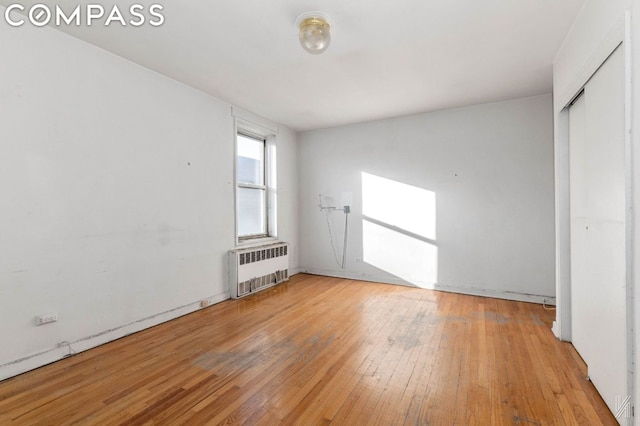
{"x":46,"y":318}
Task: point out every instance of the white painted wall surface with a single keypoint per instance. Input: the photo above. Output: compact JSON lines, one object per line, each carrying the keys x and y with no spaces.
{"x":287,"y":193}
{"x":595,"y":23}
{"x":117,"y":196}
{"x":635,"y":144}
{"x":490,"y":170}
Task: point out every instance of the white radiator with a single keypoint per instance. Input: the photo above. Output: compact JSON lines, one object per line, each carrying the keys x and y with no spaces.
{"x":256,"y":268}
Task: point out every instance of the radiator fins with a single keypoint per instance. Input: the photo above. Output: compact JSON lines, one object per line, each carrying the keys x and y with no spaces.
{"x":262,"y":282}
{"x":262,"y":254}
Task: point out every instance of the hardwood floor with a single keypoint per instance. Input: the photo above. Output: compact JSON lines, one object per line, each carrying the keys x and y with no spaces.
{"x":320,"y":350}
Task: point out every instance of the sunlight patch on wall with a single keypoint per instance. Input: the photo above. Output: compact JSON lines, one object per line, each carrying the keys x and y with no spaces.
{"x":410,"y":259}
{"x":399,"y":229}
{"x":397,"y":204}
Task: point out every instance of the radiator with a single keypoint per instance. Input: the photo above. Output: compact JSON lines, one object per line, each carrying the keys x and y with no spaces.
{"x":256,"y":268}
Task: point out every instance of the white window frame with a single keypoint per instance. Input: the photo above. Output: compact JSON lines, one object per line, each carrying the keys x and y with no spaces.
{"x":256,"y":131}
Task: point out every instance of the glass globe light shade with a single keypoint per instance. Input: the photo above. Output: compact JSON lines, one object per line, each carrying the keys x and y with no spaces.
{"x":315,"y":34}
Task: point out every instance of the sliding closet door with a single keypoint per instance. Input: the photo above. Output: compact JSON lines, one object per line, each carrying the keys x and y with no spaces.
{"x":598,"y":276}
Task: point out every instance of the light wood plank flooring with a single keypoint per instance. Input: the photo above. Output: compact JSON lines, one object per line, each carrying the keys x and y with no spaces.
{"x":320,"y":350}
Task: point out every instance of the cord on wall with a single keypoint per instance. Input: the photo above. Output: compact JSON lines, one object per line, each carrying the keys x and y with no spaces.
{"x":346,"y":210}
{"x":68,"y":346}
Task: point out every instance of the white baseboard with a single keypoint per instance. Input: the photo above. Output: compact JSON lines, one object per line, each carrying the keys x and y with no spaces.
{"x":472,"y":291}
{"x":47,"y":356}
{"x":294,"y":271}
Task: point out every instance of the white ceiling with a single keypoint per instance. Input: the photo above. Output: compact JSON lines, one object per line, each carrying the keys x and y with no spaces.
{"x":387,"y":58}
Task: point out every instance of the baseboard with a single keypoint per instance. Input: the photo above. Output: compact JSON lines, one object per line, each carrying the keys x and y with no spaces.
{"x":498,"y":294}
{"x":33,"y":361}
{"x":471,"y":291}
{"x":294,"y":271}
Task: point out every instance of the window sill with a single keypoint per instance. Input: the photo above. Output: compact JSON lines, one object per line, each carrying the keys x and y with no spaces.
{"x":258,"y":241}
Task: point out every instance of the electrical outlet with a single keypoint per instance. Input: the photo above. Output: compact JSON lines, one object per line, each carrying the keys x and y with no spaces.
{"x":204,"y":303}
{"x":358,"y":260}
{"x":47,"y":318}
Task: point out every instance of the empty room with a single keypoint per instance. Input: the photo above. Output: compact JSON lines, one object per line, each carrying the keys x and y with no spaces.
{"x":319,"y":212}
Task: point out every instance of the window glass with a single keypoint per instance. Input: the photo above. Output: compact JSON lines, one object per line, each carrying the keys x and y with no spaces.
{"x":251,"y":189}
{"x":250,"y":160}
{"x":251,"y":212}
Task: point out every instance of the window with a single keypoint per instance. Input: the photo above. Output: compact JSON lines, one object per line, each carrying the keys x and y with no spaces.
{"x":255,"y":185}
{"x":252,"y":189}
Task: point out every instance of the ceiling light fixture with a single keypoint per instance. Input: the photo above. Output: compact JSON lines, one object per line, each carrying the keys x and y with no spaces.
{"x":315,"y":31}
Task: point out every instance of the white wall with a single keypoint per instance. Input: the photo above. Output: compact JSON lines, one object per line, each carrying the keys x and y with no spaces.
{"x":491,"y":169}
{"x":287,"y":169}
{"x":635,"y":143}
{"x":598,"y":29}
{"x":118,"y":199}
